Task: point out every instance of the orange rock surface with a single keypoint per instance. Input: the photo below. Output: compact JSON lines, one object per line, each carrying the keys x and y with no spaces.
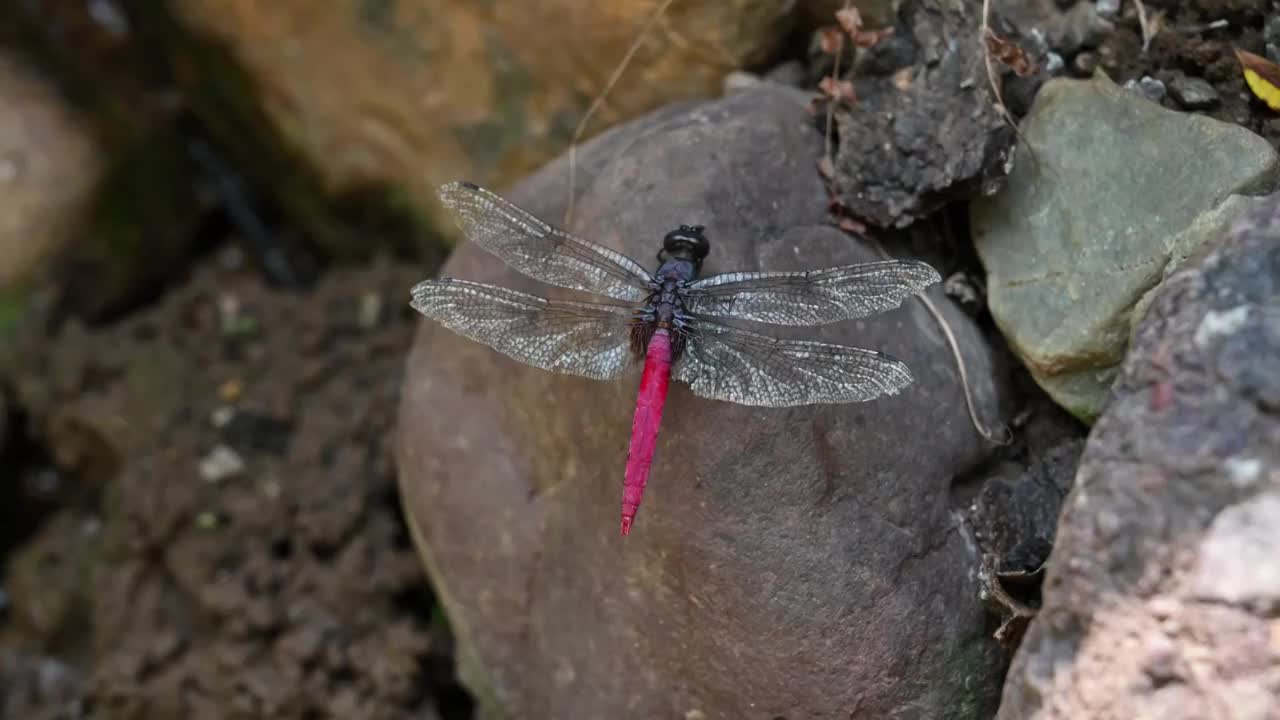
{"x":410,"y":95}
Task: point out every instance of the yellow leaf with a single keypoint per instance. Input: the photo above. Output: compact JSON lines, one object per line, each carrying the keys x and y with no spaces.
{"x":1262,"y":76}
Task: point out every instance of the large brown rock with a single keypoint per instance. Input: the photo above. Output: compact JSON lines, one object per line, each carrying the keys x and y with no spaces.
{"x":50,"y":163}
{"x":1163,"y":589}
{"x":410,"y":95}
{"x":794,"y":562}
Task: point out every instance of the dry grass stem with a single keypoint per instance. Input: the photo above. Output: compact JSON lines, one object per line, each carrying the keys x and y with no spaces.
{"x":599,"y":99}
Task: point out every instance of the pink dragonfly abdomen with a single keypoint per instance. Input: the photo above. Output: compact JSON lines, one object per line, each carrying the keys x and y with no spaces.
{"x":644,"y":426}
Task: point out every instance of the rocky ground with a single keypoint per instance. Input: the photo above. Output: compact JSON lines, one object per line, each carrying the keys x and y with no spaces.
{"x":199,"y":453}
{"x":203,"y":520}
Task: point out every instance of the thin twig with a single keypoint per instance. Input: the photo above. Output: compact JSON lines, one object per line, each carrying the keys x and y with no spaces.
{"x":831,"y":102}
{"x":599,"y":100}
{"x":984,"y":27}
{"x":998,"y":435}
{"x":1144,"y":24}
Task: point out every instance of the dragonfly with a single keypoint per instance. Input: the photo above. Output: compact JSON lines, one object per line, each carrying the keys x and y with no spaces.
{"x":672,"y":321}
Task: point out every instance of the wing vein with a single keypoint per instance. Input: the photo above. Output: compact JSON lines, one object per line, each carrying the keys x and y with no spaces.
{"x":540,"y":251}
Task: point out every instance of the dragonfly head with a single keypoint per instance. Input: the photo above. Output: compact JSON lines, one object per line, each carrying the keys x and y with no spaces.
{"x":687,"y":242}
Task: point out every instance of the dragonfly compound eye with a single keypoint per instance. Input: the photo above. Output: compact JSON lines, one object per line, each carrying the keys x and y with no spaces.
{"x":687,"y":236}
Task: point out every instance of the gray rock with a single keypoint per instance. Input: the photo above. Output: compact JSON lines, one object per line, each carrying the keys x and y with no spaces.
{"x":913,"y":143}
{"x":221,"y":463}
{"x":1085,"y":63}
{"x":1118,"y":190}
{"x":1014,"y":517}
{"x":790,"y":73}
{"x":1271,"y":28}
{"x":738,"y":80}
{"x":796,"y":562}
{"x":1148,"y":87}
{"x":1192,"y":93}
{"x":1081,"y":26}
{"x":1164,"y":583}
{"x":1053,"y":63}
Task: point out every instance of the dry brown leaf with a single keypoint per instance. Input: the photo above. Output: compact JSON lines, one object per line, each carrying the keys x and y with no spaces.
{"x":850,"y":19}
{"x":830,"y":39}
{"x":871,"y":38}
{"x":837,"y":89}
{"x":851,"y":22}
{"x":1009,"y":54}
{"x":850,"y":225}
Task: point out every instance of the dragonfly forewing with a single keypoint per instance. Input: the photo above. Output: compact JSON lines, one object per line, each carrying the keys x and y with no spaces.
{"x":726,"y":363}
{"x":577,"y":338}
{"x":542,"y":252}
{"x":813,"y":297}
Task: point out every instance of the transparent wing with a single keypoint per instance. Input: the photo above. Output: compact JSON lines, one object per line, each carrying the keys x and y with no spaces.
{"x":725,"y":363}
{"x":588,"y":339}
{"x":540,"y":251}
{"x":812,"y":297}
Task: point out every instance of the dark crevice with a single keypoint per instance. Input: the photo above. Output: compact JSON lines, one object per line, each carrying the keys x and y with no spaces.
{"x":31,"y":487}
{"x":438,"y":673}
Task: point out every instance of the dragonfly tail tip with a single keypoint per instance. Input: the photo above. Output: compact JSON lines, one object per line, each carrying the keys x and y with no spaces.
{"x":626,"y":525}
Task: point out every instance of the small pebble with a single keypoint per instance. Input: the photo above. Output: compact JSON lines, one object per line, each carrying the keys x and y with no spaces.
{"x":903,"y":78}
{"x":1192,"y":93}
{"x":1085,"y":63}
{"x":370,"y":311}
{"x":207,"y":520}
{"x":1271,"y":28}
{"x":231,"y":257}
{"x":791,"y":72}
{"x":220,"y":464}
{"x":222,"y":416}
{"x":271,"y":489}
{"x":233,"y":321}
{"x":11,"y":165}
{"x":740,"y":80}
{"x":1053,"y":63}
{"x":230,"y":390}
{"x":1148,"y":87}
{"x":45,"y":482}
{"x":959,"y":287}
{"x":109,"y":16}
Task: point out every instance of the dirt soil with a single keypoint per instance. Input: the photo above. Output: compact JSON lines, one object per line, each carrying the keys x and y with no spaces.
{"x":1181,"y":45}
{"x":231,"y":543}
